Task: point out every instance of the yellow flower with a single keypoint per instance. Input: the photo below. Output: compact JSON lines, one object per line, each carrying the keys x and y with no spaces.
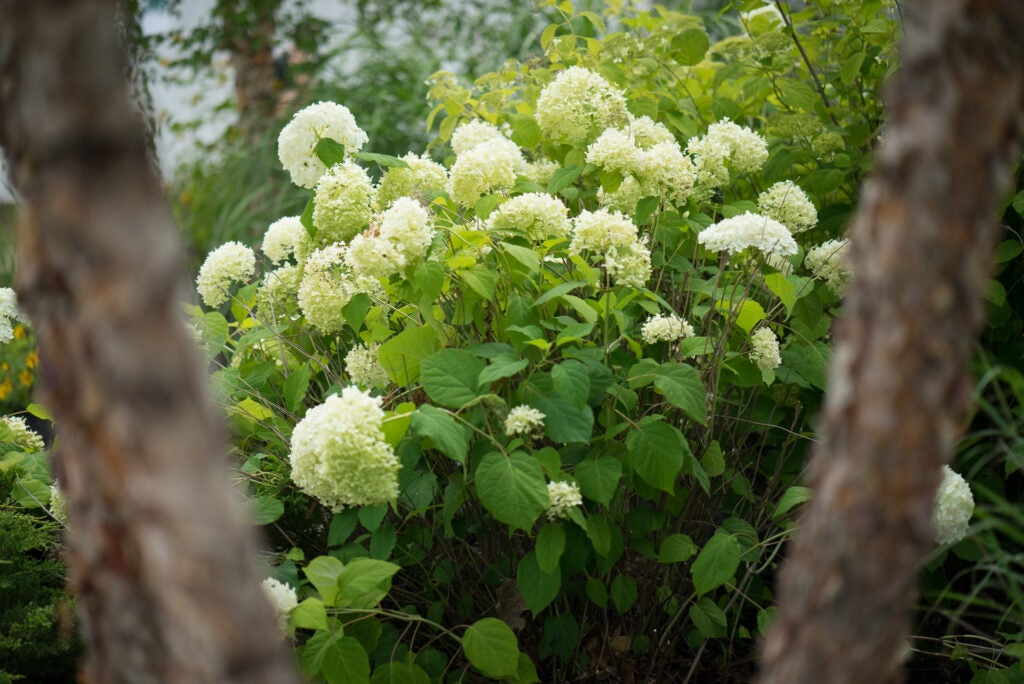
{"x":5,"y":366}
{"x":25,"y":377}
{"x":19,"y":332}
{"x":5,"y":389}
{"x":32,"y":360}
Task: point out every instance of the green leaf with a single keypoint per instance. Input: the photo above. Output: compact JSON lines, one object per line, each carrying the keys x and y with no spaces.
{"x":385,"y":160}
{"x":1018,"y":203}
{"x":849,"y":69}
{"x":677,"y":548}
{"x":363,"y":582}
{"x":502,"y":366}
{"x":690,"y":46}
{"x":491,"y":646}
{"x":682,"y":387}
{"x":402,"y":354}
{"x":600,"y":535}
{"x":712,"y":460}
{"x":571,"y":382}
{"x":295,"y":387}
{"x":512,"y":488}
{"x":382,"y":542}
{"x":480,"y":279}
{"x":563,"y":422}
{"x":346,"y":662}
{"x":781,"y":288}
{"x":266,"y":509}
{"x":310,"y":614}
{"x":793,"y":496}
{"x":599,"y":478}
{"x":342,"y":526}
{"x":306,"y":219}
{"x":1008,"y":250}
{"x":656,"y":453}
{"x":716,"y":563}
{"x":323,"y":572}
{"x":356,"y":309}
{"x":558,"y":291}
{"x":396,"y":423}
{"x":765,"y":618}
{"x":451,"y":377}
{"x":549,"y":547}
{"x":708,"y":618}
{"x":798,"y":94}
{"x":538,"y":588}
{"x":623,"y":592}
{"x":397,"y":672}
{"x":524,"y":255}
{"x":371,"y":517}
{"x":810,"y":361}
{"x":40,"y":411}
{"x":329,"y":151}
{"x":443,"y":431}
{"x":563,"y":178}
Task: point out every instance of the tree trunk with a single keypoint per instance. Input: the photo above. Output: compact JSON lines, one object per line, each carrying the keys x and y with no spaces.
{"x":161,"y":554}
{"x":248,"y":34}
{"x":921,"y":251}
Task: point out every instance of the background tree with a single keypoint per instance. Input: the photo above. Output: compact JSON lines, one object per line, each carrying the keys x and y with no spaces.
{"x":922,"y":249}
{"x":160,"y":554}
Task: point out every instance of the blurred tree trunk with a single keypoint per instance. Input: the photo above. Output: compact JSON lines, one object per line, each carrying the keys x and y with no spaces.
{"x":921,"y":251}
{"x":247,"y":33}
{"x":161,"y":553}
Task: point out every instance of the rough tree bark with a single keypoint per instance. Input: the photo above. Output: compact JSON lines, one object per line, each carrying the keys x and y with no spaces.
{"x":921,"y":250}
{"x":247,"y":30}
{"x":161,"y":554}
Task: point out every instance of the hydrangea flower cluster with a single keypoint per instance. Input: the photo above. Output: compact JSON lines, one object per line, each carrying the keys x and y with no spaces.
{"x":828,"y":262}
{"x":578,"y":105}
{"x":764,"y":349}
{"x":277,"y":298}
{"x":788,"y":204}
{"x":285,"y":238}
{"x":327,"y":286}
{"x":954,"y":506}
{"x":421,"y":178}
{"x":626,"y":257}
{"x":487,"y":166}
{"x":472,"y":133}
{"x":660,"y":328}
{"x":726,"y":145}
{"x":339,"y":454}
{"x":230,"y":263}
{"x":523,"y":420}
{"x":537,"y":214}
{"x":343,"y":202}
{"x":648,"y":152}
{"x":9,"y":312}
{"x":402,"y":236}
{"x":296,"y":145}
{"x":748,"y":230}
{"x":282,"y":597}
{"x":22,"y":435}
{"x":562,"y":498}
{"x":362,"y":363}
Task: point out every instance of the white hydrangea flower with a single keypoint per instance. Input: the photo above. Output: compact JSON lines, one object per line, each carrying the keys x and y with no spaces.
{"x":362,"y":363}
{"x":9,"y":312}
{"x":954,"y":506}
{"x":327,"y":286}
{"x":828,"y":261}
{"x":726,"y":144}
{"x":484,"y":168}
{"x":282,"y":597}
{"x":339,"y":454}
{"x":537,"y":214}
{"x":58,"y":503}
{"x":614,"y":150}
{"x":788,"y":204}
{"x":661,"y":328}
{"x":629,"y":266}
{"x":400,"y":236}
{"x":523,"y":420}
{"x":422,"y":179}
{"x":764,"y":349}
{"x":665,"y":170}
{"x":296,"y":146}
{"x":748,"y":230}
{"x":578,"y":105}
{"x":25,"y":437}
{"x":539,"y":171}
{"x":284,"y":238}
{"x":597,"y":231}
{"x":624,"y":198}
{"x":647,"y":133}
{"x":471,"y":133}
{"x":230,"y":263}
{"x":344,"y":200}
{"x":779,"y":263}
{"x":277,"y":299}
{"x":562,"y":498}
